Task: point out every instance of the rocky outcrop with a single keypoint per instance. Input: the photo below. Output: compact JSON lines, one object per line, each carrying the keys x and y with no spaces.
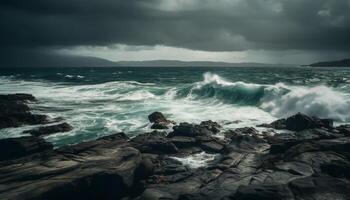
{"x":159,"y":121}
{"x":101,"y":169}
{"x":46,"y":130}
{"x":17,"y":97}
{"x":15,"y":112}
{"x":310,"y":163}
{"x":300,"y":122}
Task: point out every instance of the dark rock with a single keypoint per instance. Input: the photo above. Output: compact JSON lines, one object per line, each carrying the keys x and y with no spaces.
{"x":337,"y":168}
{"x":114,"y":140}
{"x":326,"y":123}
{"x":295,"y":168}
{"x":344,"y":130}
{"x":281,"y":147}
{"x":97,"y":170}
{"x":14,"y":111}
{"x":8,"y":108}
{"x":314,"y":134}
{"x":16,"y":120}
{"x":320,"y":188}
{"x":312,"y":163}
{"x":263,"y":192}
{"x":212,"y":126}
{"x":155,"y":194}
{"x":246,"y":142}
{"x":46,"y":130}
{"x":160,"y":125}
{"x":189,"y":130}
{"x":159,"y":121}
{"x":157,"y":117}
{"x":17,"y":97}
{"x":154,"y":142}
{"x":300,"y":122}
{"x":212,"y":146}
{"x":278,"y":124}
{"x":183,"y":142}
{"x":241,"y":131}
{"x":13,"y":148}
{"x":147,"y":166}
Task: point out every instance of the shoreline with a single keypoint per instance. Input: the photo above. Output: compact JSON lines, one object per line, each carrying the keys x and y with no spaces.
{"x":311,"y":161}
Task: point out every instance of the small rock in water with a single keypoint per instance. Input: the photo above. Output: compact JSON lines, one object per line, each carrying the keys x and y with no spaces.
{"x":159,"y":121}
{"x":46,"y":130}
{"x":156,"y":117}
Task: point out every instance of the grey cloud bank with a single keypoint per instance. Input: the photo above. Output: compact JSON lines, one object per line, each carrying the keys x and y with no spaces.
{"x":40,"y":27}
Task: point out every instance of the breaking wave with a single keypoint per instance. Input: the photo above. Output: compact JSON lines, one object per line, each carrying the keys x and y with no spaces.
{"x":280,"y":100}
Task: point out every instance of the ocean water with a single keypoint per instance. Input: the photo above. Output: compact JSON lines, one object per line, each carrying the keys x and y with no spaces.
{"x":103,"y":101}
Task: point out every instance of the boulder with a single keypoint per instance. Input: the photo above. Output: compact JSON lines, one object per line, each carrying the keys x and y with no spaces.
{"x":189,"y":130}
{"x":159,"y":121}
{"x":46,"y":130}
{"x":299,"y":122}
{"x":13,"y":148}
{"x":156,"y":117}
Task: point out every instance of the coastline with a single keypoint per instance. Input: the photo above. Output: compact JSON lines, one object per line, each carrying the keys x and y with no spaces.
{"x":311,"y":161}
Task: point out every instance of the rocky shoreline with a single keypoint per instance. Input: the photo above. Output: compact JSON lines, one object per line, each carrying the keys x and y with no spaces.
{"x":310,"y":161}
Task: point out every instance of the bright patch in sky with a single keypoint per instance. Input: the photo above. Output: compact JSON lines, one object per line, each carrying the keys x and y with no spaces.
{"x":136,"y":53}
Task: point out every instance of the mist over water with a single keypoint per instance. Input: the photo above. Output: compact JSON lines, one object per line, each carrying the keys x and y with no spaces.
{"x":102,"y":101}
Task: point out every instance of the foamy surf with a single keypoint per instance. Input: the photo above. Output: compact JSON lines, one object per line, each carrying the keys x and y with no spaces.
{"x":96,"y":108}
{"x":196,"y":160}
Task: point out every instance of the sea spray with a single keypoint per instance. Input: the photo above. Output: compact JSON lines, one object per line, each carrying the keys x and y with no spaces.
{"x":104,"y":102}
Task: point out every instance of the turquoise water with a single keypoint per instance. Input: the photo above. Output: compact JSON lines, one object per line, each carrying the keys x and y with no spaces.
{"x":102,"y":101}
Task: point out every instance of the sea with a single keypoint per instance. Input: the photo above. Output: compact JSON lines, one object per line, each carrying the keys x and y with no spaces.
{"x":103,"y":101}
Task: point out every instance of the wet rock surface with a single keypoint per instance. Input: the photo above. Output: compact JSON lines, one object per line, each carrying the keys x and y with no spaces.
{"x":12,"y":148}
{"x":47,"y":130}
{"x":159,"y":121}
{"x":311,"y":162}
{"x":15,"y":112}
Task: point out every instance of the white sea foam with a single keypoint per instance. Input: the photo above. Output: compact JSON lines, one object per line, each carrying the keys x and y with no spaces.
{"x":318,"y":101}
{"x":101,"y":109}
{"x":137,"y":96}
{"x":196,"y":160}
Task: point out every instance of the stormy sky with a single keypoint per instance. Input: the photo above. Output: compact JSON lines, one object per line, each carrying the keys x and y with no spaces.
{"x":270,"y":31}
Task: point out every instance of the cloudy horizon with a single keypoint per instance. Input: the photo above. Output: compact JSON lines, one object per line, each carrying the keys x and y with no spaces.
{"x":270,"y":31}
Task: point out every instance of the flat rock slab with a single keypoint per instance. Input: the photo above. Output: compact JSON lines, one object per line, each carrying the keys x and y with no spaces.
{"x":102,"y":169}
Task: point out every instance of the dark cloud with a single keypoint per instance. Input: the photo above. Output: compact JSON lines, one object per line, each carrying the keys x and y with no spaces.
{"x":223,"y":25}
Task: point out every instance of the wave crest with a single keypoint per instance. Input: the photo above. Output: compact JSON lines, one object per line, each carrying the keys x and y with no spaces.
{"x":280,"y":100}
{"x":215,"y":87}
